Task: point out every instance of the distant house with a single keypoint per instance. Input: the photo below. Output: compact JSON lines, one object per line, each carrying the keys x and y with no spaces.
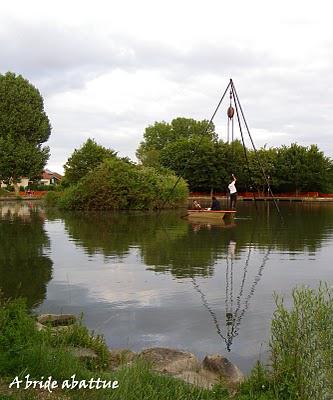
{"x":46,"y":178}
{"x":24,"y":181}
{"x":50,"y":178}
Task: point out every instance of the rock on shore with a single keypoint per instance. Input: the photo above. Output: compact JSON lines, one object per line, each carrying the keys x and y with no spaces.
{"x":184,"y":365}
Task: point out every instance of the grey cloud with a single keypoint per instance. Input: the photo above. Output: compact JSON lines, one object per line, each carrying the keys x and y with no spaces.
{"x":59,"y":58}
{"x":276,"y":95}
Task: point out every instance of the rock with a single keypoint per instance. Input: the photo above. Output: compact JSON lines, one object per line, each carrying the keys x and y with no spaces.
{"x":181,"y":365}
{"x":202,"y":378}
{"x":40,"y":326}
{"x":223,"y":368}
{"x":121,"y":357}
{"x":170,"y":361}
{"x":55,"y":320}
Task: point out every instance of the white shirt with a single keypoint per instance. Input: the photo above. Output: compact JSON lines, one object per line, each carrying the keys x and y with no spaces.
{"x":232,"y":187}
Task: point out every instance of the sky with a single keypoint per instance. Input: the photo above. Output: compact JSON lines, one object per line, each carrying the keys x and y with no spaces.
{"x":108,"y":69}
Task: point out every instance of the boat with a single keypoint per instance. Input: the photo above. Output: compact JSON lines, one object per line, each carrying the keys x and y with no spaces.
{"x":210,"y":215}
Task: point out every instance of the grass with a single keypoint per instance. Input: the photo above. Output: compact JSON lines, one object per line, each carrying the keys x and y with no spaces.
{"x":301,"y":358}
{"x":302,"y":345}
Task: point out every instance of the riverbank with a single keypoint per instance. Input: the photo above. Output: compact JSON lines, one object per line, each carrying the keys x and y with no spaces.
{"x":301,"y":339}
{"x":286,"y":198}
{"x":56,"y":358}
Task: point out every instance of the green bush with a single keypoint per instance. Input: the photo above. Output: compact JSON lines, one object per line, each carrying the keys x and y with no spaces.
{"x":24,"y":348}
{"x":258,"y":384}
{"x":3,"y":192}
{"x":118,"y":185}
{"x":51,"y":198}
{"x":302,"y":345}
{"x":17,"y":332}
{"x":42,"y":187}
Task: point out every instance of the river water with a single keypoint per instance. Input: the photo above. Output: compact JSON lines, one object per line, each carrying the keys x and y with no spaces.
{"x":144,"y":280}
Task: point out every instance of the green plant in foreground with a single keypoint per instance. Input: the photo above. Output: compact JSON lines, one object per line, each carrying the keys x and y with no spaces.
{"x":24,"y":350}
{"x":301,"y":357}
{"x":302,"y":345}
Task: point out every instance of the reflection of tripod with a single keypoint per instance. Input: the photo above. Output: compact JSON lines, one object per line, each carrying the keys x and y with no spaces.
{"x":233,"y":317}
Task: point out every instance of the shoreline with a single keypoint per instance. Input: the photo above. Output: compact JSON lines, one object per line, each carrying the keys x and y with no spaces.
{"x":266,"y":198}
{"x":297,"y":199}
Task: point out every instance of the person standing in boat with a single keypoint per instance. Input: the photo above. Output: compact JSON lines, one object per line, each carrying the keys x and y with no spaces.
{"x":216,"y":206}
{"x":233,"y":192}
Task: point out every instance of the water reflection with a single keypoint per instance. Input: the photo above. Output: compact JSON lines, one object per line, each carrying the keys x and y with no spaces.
{"x":170,"y":244}
{"x":25,"y":270}
{"x":164,"y":281}
{"x":187,"y":250}
{"x":233,"y":315}
{"x":166,"y":242}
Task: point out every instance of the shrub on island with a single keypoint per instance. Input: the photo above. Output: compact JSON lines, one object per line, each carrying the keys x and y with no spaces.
{"x":120,"y":185}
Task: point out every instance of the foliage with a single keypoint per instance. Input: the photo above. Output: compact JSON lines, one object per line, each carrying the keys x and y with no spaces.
{"x":300,"y":168}
{"x":302,"y":345}
{"x":161,"y":134}
{"x":3,"y":192}
{"x":206,"y":163}
{"x":84,"y":160}
{"x":42,"y":188}
{"x":52,"y":197}
{"x":212,"y":165}
{"x":25,"y":268}
{"x":17,"y":331}
{"x":23,"y":348}
{"x":264,"y":160}
{"x":258,"y":383}
{"x":203,"y":171}
{"x":117,"y":184}
{"x":24,"y":127}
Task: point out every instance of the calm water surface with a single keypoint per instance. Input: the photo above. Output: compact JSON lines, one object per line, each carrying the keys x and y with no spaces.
{"x":144,"y":280}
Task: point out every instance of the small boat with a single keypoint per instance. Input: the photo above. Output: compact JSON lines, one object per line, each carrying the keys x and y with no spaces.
{"x":209,"y":215}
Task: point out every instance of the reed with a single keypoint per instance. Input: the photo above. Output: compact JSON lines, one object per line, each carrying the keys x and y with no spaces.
{"x":302,"y":345}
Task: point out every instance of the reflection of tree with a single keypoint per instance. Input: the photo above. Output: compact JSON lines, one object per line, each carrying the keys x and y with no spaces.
{"x":167,"y":243}
{"x":193,"y":254}
{"x":304,"y":228}
{"x":24,"y":269}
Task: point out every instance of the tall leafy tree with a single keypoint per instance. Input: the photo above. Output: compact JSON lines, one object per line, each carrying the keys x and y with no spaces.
{"x":191,"y":150}
{"x":161,"y":134}
{"x":197,"y":160}
{"x":85,"y":159}
{"x":24,"y":127}
{"x":301,"y":168}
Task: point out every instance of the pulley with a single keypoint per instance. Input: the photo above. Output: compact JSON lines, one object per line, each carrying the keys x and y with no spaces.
{"x":230,"y":112}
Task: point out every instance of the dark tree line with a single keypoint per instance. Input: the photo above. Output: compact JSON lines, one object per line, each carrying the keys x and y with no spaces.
{"x":194,"y":152}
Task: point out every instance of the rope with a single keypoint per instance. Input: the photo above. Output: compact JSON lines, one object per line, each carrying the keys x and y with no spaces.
{"x":211,"y":312}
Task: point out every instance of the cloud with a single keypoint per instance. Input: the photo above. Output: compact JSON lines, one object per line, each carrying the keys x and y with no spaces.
{"x":108,"y":72}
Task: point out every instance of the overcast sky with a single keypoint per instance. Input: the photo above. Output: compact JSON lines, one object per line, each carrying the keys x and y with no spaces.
{"x":108,"y":69}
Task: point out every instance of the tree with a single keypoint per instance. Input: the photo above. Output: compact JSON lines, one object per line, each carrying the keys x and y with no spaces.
{"x":197,"y":160}
{"x":161,"y":134}
{"x":85,"y":159}
{"x":264,"y":160}
{"x":24,"y":127}
{"x":301,"y":168}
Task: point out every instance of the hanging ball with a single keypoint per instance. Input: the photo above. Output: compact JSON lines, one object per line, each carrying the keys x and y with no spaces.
{"x":231,"y":112}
